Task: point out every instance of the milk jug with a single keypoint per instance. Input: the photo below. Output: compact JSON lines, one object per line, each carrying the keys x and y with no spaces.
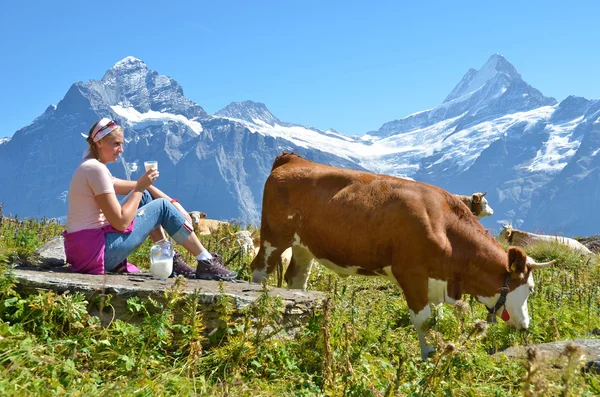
{"x":161,"y":259}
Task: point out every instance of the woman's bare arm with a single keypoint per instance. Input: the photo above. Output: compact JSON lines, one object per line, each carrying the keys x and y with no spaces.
{"x":123,"y":187}
{"x":121,"y":216}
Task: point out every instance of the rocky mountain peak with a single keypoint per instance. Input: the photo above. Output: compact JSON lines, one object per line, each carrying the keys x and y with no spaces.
{"x":253,"y":112}
{"x":498,"y":63}
{"x":128,"y":66}
{"x":130,"y":83}
{"x":128,"y":62}
{"x":495,"y":89}
{"x":500,"y":135}
{"x":495,"y":67}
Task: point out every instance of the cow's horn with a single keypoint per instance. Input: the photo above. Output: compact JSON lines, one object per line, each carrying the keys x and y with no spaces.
{"x":534,"y":266}
{"x":483,"y":194}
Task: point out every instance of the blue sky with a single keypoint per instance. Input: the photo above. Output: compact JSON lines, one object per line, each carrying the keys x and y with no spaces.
{"x":347,"y":65}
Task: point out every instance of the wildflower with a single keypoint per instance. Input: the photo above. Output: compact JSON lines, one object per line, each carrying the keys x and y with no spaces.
{"x":572,"y":350}
{"x":449,"y":348}
{"x":479,"y":328}
{"x":461,"y":309}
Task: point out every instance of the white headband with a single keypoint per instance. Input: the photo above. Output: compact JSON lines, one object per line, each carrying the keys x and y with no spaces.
{"x":103,"y":128}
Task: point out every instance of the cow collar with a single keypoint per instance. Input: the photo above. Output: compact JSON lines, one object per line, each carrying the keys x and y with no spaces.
{"x":491,"y":317}
{"x":473,"y":206}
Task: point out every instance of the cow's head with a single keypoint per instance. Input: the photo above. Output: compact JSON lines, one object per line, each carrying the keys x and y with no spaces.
{"x":506,"y":233}
{"x":520,"y":285}
{"x":480,"y":206}
{"x":196,"y":216}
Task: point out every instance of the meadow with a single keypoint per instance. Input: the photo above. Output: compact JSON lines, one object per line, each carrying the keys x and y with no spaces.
{"x":359,"y":343}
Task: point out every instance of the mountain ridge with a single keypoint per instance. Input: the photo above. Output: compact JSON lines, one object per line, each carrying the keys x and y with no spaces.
{"x":493,"y":132}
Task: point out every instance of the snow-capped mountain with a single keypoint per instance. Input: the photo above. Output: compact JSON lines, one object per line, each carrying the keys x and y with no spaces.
{"x":210,"y":163}
{"x":538,"y":160}
{"x":252,"y":112}
{"x":494,"y":90}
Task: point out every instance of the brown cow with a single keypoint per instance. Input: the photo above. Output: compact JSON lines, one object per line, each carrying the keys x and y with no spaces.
{"x":477,"y":203}
{"x":205,"y":226}
{"x":418,"y":235}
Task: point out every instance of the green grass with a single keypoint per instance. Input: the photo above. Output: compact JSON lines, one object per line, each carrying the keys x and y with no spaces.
{"x":360,"y":343}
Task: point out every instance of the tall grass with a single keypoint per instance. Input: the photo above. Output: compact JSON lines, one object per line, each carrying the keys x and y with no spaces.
{"x":360,"y":343}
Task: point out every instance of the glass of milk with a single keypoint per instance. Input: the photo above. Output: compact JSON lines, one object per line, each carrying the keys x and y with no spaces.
{"x":151,"y":165}
{"x":161,"y":259}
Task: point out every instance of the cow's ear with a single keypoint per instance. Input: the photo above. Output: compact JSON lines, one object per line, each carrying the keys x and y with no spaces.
{"x":202,"y":215}
{"x":517,"y":263}
{"x":476,"y":198}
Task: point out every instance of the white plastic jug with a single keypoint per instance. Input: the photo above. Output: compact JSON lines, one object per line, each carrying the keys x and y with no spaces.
{"x":161,"y":259}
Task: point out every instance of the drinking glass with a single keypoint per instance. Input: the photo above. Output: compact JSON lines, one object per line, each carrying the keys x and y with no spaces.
{"x":151,"y":165}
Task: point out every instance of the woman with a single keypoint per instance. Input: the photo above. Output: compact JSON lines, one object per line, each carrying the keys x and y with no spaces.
{"x":101,"y":232}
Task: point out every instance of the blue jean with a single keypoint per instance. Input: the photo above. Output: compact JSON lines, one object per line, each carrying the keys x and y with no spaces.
{"x":150,"y":214}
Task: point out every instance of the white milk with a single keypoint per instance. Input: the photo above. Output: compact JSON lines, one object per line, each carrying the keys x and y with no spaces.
{"x":162,"y":268}
{"x":151,"y":165}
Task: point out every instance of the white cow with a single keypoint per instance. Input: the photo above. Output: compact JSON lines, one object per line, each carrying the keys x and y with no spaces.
{"x":522,"y":239}
{"x":243,"y":239}
{"x":477,"y":203}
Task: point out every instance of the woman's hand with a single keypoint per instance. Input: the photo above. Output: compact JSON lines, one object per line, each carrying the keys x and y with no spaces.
{"x":146,"y":180}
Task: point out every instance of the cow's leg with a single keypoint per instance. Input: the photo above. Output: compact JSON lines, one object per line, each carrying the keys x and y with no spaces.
{"x":415,"y":291}
{"x":298,"y":270}
{"x":272,"y":245}
{"x":278,"y":225}
{"x":419,"y":318}
{"x":266,"y":261}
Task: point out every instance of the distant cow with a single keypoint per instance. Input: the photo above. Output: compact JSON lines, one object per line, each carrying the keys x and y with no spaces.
{"x":249,"y":243}
{"x":418,"y":235}
{"x":522,"y":239}
{"x":243,"y":239}
{"x":205,"y":226}
{"x":477,"y":203}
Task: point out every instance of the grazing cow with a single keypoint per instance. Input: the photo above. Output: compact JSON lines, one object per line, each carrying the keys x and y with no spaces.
{"x":477,"y":203}
{"x":522,"y":239}
{"x":205,"y":226}
{"x":415,"y":234}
